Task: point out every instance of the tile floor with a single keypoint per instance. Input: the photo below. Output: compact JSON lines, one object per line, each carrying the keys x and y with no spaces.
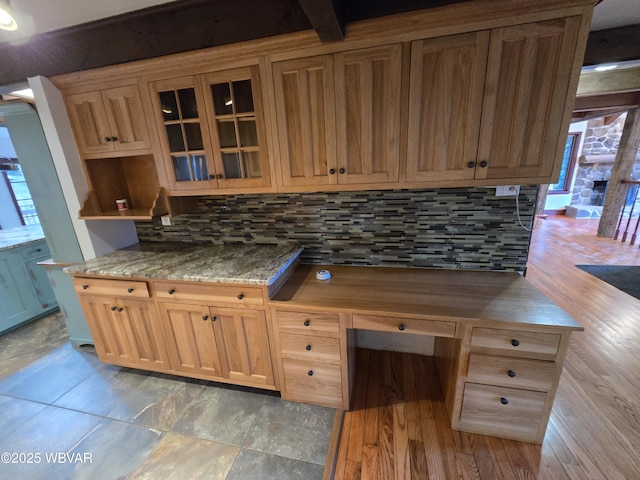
{"x":64,"y":414}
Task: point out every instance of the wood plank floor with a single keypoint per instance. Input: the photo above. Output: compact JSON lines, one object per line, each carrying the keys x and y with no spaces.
{"x":399,"y":429}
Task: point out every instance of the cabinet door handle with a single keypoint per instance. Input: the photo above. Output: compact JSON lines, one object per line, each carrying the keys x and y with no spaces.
{"x":114,"y":139}
{"x":107,"y":139}
{"x":38,"y":249}
{"x":402,"y":327}
{"x":504,"y":401}
{"x":113,"y":309}
{"x":332,"y":171}
{"x":171,"y":291}
{"x":212,"y":176}
{"x":219,"y":176}
{"x":240,"y":296}
{"x":511,"y":373}
{"x":120,"y":309}
{"x":515,"y":342}
{"x":483,"y":163}
{"x":310,"y":373}
{"x":307,"y":323}
{"x":84,"y":287}
{"x":471,"y":164}
{"x":308,"y":348}
{"x":130,"y":290}
{"x":205,"y":317}
{"x":342,"y":170}
{"x":213,"y":319}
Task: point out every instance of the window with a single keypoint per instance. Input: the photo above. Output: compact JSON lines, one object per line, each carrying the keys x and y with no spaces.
{"x":568,"y":165}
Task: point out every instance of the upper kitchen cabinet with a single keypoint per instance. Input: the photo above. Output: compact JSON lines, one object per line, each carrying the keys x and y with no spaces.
{"x":489,"y":104}
{"x":339,"y":117}
{"x":212,"y":131}
{"x":447,"y":83}
{"x":525,"y":97}
{"x":109,"y":121}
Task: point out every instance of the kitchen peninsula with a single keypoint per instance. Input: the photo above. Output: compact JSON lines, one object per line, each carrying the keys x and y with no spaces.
{"x":250,"y":315}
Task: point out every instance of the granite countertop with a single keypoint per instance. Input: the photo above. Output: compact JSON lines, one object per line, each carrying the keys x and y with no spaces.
{"x":246,"y":264}
{"x":19,"y":236}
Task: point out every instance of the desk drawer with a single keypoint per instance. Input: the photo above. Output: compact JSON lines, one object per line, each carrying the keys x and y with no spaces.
{"x":36,"y":250}
{"x":536,"y":345}
{"x":208,"y":293}
{"x":405,"y":325}
{"x":504,"y":412}
{"x":309,"y":347}
{"x":313,"y":382}
{"x":512,"y":372}
{"x":305,"y":322}
{"x":111,"y":288}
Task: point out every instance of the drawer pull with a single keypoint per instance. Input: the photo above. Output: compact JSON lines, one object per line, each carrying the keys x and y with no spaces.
{"x":205,"y":317}
{"x":308,"y":348}
{"x":307,"y":323}
{"x":130,"y":290}
{"x":402,"y":327}
{"x":310,"y":373}
{"x":515,"y":342}
{"x":120,"y":309}
{"x":504,"y":401}
{"x":213,"y":319}
{"x":511,"y":373}
{"x":38,"y":249}
{"x":240,"y":296}
{"x":113,"y":309}
{"x":84,"y":287}
{"x":171,"y":291}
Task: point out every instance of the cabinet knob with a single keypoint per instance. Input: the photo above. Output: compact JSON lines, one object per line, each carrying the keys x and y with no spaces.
{"x":130,"y":290}
{"x":310,"y":373}
{"x":342,"y":170}
{"x":515,"y":342}
{"x":511,"y":373}
{"x":240,"y":296}
{"x":38,"y":249}
{"x":213,"y":319}
{"x":107,"y":139}
{"x":113,"y":309}
{"x":84,"y":287}
{"x":171,"y":291}
{"x":332,"y":171}
{"x":120,"y":309}
{"x":483,"y":163}
{"x":211,"y":176}
{"x":471,"y":164}
{"x":219,"y":176}
{"x":402,"y":326}
{"x":307,"y":323}
{"x":504,"y":401}
{"x":205,"y":317}
{"x":114,"y":139}
{"x":308,"y":348}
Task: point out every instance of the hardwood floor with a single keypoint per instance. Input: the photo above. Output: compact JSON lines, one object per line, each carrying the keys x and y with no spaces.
{"x":399,"y":428}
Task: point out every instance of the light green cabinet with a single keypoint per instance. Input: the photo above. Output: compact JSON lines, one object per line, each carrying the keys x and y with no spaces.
{"x":25,"y":290}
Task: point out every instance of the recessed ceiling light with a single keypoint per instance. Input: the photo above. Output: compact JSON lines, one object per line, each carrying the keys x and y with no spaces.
{"x":7,"y":18}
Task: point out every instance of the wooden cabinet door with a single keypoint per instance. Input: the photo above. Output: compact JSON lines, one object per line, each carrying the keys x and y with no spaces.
{"x":126,"y":118}
{"x":236,"y":120}
{"x":16,"y":295}
{"x":368,"y":97}
{"x":184,"y":134}
{"x":243,"y":343}
{"x":526,"y":89}
{"x":108,"y":329}
{"x":144,"y":330}
{"x":90,"y":123}
{"x":190,"y":334}
{"x":305,"y":114}
{"x":446,"y":89}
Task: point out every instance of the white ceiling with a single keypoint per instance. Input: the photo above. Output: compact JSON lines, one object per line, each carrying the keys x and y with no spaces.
{"x":39,"y":16}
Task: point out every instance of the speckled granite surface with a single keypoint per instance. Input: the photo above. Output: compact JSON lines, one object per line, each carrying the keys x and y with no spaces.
{"x":20,"y":235}
{"x":246,"y":264}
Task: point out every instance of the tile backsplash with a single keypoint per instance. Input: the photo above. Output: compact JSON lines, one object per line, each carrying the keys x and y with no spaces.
{"x":457,"y":228}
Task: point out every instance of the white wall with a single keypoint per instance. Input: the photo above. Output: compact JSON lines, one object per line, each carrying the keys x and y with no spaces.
{"x":560,"y":201}
{"x":96,"y":237}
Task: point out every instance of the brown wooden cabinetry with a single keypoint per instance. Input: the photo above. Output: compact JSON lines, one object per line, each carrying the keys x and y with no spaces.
{"x":339,"y":117}
{"x":211,"y":130}
{"x":109,"y":121}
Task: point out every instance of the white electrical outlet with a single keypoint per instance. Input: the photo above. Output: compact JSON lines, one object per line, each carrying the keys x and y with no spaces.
{"x":507,"y":190}
{"x":166,"y":220}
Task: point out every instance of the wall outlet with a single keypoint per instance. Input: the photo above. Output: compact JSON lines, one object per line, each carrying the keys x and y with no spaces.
{"x":507,"y":190}
{"x":166,"y":220}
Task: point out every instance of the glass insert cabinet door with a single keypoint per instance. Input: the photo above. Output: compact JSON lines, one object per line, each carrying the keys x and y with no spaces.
{"x":183,"y":130}
{"x":234,"y":105}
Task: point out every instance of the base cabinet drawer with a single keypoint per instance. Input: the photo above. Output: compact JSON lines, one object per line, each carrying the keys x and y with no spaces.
{"x":112,"y":288}
{"x":503,"y":412}
{"x":515,"y":342}
{"x":312,"y":382}
{"x":239,"y":295}
{"x":405,"y":325}
{"x":310,"y":348}
{"x":512,"y":372}
{"x":306,"y":322}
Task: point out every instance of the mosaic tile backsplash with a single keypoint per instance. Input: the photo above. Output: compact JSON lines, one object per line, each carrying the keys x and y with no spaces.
{"x":463,"y":228}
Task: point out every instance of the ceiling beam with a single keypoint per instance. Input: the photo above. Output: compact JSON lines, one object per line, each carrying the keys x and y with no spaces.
{"x":603,"y":102}
{"x":327,"y":18}
{"x":613,"y":45}
{"x":613,"y":81}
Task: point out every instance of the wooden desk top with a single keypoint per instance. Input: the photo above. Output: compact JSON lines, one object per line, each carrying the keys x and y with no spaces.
{"x":432,"y":294}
